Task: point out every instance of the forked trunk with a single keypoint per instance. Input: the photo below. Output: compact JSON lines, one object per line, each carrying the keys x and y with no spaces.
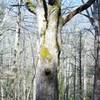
{"x":48,"y":51}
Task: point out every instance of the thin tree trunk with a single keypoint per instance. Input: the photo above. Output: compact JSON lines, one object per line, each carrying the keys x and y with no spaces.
{"x":1,"y":70}
{"x":80,"y":66}
{"x":75,"y":80}
{"x":17,"y":52}
{"x":24,"y":68}
{"x":85,"y":80}
{"x":68,"y":81}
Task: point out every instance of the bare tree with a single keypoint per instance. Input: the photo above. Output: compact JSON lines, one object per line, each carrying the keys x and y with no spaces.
{"x":50,"y":23}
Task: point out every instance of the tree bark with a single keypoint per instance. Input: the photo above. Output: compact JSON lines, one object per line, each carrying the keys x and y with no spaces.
{"x":96,"y":95}
{"x":48,"y":51}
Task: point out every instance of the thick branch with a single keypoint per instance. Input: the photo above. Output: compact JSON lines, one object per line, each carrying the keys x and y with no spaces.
{"x":78,"y":10}
{"x":88,"y":14}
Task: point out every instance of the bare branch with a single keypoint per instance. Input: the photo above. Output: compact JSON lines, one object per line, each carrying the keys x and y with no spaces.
{"x":89,"y":17}
{"x":78,"y":10}
{"x":88,"y":14}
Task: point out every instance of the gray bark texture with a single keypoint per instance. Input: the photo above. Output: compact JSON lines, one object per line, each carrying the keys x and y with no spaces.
{"x":96,"y":14}
{"x":46,"y":83}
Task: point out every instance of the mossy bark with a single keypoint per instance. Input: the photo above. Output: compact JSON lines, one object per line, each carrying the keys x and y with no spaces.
{"x":46,"y":73}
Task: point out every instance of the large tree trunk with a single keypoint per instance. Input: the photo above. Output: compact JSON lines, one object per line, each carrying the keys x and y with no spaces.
{"x":97,"y":51}
{"x":48,"y":51}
